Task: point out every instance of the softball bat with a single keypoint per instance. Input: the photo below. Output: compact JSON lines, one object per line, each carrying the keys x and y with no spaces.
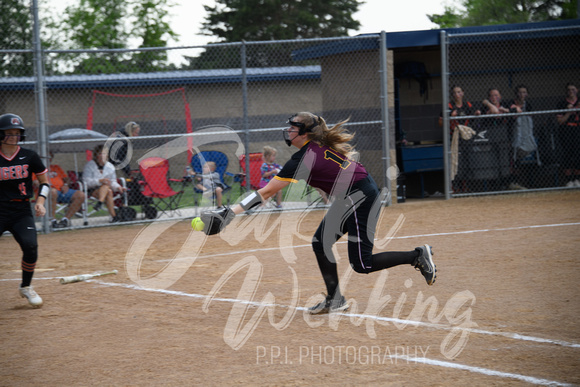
{"x":83,"y":277}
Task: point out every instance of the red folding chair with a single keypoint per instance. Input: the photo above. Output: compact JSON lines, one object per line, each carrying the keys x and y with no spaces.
{"x":256,"y":161}
{"x":155,"y":171}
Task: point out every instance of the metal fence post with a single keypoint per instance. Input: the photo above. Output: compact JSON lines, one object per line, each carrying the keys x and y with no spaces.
{"x":40,"y":102}
{"x":385,"y":115}
{"x":245,"y":112}
{"x":445,"y":112}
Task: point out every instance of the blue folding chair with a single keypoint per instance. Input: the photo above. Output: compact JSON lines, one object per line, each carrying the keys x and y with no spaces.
{"x":221,"y":162}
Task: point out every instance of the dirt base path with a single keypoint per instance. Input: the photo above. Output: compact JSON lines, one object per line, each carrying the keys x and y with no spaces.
{"x":186,"y":310}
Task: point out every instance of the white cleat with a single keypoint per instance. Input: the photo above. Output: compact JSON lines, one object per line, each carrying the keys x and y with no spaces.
{"x":33,"y":297}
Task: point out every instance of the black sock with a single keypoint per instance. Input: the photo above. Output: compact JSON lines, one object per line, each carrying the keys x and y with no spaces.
{"x":26,"y":278}
{"x":329,"y":274}
{"x":393,"y":258}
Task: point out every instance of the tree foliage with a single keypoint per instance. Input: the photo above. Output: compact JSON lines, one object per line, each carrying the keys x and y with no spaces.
{"x":97,"y":24}
{"x":15,"y":34}
{"x":114,"y":24}
{"x":237,"y":20}
{"x":489,"y":12}
{"x":263,"y":20}
{"x":152,"y":27}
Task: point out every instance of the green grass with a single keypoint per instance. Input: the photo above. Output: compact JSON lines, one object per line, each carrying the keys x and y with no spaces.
{"x":297,"y":193}
{"x":293,"y":193}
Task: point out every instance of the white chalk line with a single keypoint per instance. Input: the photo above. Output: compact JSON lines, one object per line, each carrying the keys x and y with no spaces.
{"x":509,"y":335}
{"x":398,"y":321}
{"x":394,"y":237}
{"x":439,"y":363}
{"x":484,"y":371}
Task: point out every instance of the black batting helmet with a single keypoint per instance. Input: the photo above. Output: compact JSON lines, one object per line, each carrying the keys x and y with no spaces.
{"x":11,"y":121}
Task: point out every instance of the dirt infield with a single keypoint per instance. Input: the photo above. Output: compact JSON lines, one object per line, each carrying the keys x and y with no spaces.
{"x":229,"y":310}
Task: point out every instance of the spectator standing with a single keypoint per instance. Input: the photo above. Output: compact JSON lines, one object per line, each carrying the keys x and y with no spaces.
{"x":523,"y":141}
{"x":119,"y":153}
{"x":458,"y":107}
{"x":497,"y":131}
{"x":569,"y":134}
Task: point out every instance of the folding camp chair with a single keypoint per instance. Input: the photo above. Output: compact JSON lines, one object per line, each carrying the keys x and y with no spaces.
{"x":221,"y":162}
{"x":256,"y":161}
{"x":155,"y":171}
{"x":74,"y":183}
{"x":88,"y":209}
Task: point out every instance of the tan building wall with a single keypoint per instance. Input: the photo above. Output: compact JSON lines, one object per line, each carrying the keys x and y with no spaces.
{"x":338,"y":97}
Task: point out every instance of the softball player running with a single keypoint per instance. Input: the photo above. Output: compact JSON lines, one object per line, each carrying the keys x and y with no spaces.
{"x":16,"y":168}
{"x":323,"y":162}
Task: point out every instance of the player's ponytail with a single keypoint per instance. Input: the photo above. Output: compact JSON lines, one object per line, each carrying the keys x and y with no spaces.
{"x":337,"y":137}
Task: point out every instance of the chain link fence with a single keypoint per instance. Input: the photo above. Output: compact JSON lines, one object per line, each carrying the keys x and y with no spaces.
{"x":221,"y":103}
{"x":512,"y":111}
{"x":224,"y":103}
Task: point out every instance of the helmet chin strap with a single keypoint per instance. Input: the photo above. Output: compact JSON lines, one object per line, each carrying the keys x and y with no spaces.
{"x":287,"y":138}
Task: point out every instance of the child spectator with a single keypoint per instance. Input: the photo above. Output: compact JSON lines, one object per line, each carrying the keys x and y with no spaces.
{"x":210,"y":182}
{"x":270,"y":169}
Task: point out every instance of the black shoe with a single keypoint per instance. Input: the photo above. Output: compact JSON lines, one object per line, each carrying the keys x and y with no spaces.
{"x":115,"y":219}
{"x":64,"y":223}
{"x":424,"y":263}
{"x":55,"y":223}
{"x":98,"y":206}
{"x":329,"y":305}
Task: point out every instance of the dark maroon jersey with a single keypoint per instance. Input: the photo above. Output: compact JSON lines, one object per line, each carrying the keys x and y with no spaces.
{"x":322,"y":167}
{"x":16,"y":174}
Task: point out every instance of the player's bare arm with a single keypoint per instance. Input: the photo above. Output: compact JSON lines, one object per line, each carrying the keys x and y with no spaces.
{"x":271,"y":189}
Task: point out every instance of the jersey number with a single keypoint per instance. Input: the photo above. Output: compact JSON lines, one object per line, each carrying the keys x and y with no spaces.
{"x":344,"y":163}
{"x":22,"y":188}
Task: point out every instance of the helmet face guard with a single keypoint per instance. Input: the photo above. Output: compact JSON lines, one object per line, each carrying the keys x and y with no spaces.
{"x":302,"y":128}
{"x":287,"y":138}
{"x":21,"y":136}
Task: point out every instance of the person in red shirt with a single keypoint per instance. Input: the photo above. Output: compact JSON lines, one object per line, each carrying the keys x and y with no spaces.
{"x":458,"y":107}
